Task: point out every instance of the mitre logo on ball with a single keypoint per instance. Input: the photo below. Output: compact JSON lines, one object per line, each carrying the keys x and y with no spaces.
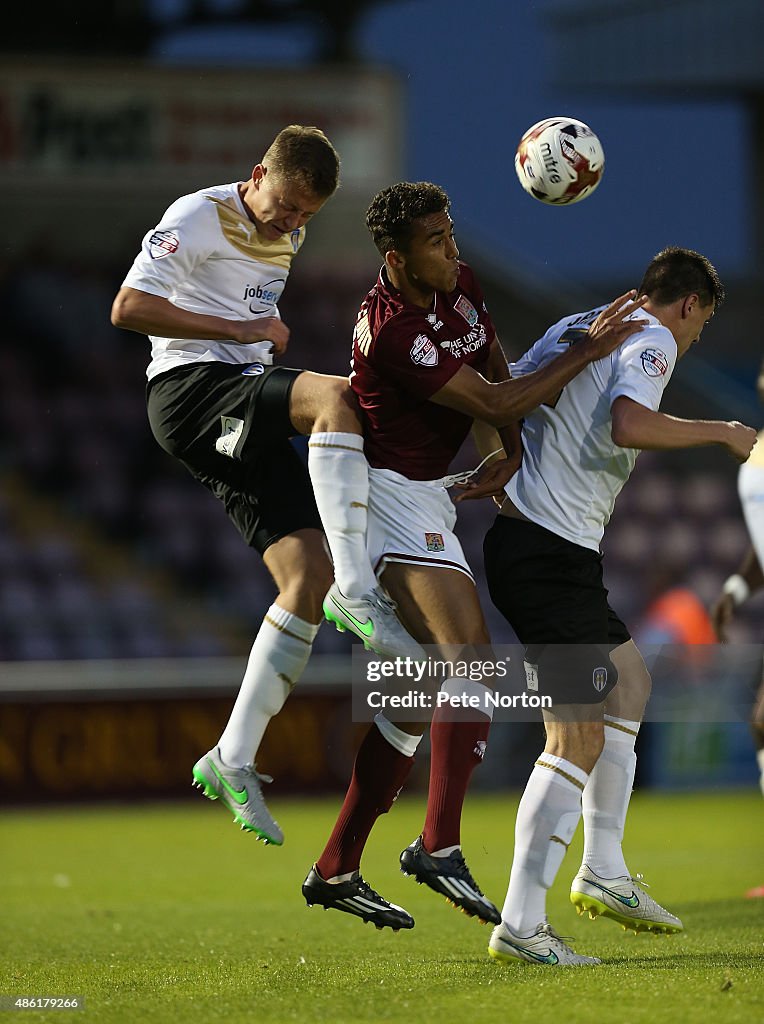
{"x":559,"y":161}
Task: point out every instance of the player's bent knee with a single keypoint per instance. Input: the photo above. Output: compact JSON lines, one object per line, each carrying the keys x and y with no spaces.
{"x":315,"y":578}
{"x":308,"y":589}
{"x":580,"y":742}
{"x":302,"y":571}
{"x":320,"y":403}
{"x":634,"y":683}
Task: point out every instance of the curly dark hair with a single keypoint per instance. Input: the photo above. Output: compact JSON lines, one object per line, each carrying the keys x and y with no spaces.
{"x":675,"y":272}
{"x":392,"y":212}
{"x":303,"y":156}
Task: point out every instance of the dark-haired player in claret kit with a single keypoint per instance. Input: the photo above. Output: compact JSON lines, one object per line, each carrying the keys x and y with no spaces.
{"x":426,"y":363}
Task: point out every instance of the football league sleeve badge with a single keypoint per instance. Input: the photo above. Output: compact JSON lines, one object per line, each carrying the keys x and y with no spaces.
{"x":163,"y":243}
{"x":423,"y":351}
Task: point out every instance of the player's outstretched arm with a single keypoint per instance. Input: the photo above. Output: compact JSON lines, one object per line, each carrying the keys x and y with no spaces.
{"x":510,"y":400}
{"x":134,"y":310}
{"x":636,"y":426}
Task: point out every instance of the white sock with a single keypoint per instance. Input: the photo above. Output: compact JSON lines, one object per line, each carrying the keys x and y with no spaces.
{"x":606,"y":799}
{"x":760,"y":761}
{"x":277,"y":659}
{"x":339,"y":473}
{"x":547,"y":817}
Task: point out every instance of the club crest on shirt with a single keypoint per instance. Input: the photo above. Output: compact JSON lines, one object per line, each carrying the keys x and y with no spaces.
{"x":654,"y":362}
{"x":434,"y":542}
{"x":423,"y":351}
{"x":599,"y":679}
{"x":163,"y":243}
{"x":464,"y":308}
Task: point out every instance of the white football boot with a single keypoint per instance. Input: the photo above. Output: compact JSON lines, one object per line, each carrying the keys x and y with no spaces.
{"x":543,"y":947}
{"x":373,"y":620}
{"x":623,"y":900}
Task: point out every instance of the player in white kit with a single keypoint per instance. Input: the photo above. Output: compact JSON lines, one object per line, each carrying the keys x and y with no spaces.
{"x":205,"y":288}
{"x":545,"y":575}
{"x":749,"y":576}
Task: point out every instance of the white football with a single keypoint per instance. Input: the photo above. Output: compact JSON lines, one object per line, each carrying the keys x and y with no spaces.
{"x":559,"y":160}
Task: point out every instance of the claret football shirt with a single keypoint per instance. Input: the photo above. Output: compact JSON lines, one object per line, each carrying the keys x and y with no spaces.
{"x":402,"y":355}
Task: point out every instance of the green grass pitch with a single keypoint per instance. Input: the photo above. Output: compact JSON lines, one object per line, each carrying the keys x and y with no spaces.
{"x":168,"y":913}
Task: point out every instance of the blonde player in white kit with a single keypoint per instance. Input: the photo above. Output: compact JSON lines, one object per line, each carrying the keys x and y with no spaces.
{"x":205,"y":288}
{"x":545,"y":575}
{"x":749,"y":576}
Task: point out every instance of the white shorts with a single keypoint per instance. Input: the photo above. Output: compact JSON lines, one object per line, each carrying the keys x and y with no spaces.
{"x":412,"y":521}
{"x":750,"y":483}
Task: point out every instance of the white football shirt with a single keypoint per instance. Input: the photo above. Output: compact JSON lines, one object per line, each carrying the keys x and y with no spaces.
{"x":206,"y":256}
{"x":750,"y":483}
{"x":572,"y":471}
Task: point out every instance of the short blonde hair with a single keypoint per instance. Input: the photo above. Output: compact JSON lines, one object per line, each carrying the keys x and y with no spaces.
{"x":303,"y":156}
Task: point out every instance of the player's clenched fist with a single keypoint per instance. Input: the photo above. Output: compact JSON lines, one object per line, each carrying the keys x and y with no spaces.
{"x":740,"y":440}
{"x":266,"y":328}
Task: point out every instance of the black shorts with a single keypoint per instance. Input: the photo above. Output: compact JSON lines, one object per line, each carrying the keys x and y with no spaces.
{"x":551,"y":593}
{"x":228,"y":423}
